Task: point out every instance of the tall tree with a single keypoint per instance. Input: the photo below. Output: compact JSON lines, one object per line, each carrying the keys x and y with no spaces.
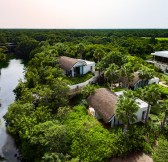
{"x":24,"y":47}
{"x":164,"y":107}
{"x":100,"y":68}
{"x":115,"y":57}
{"x":112,"y":74}
{"x":88,"y":90}
{"x":81,"y":50}
{"x":151,"y":94}
{"x":126,"y":108}
{"x":98,"y":54}
{"x":146,"y":73}
{"x":126,"y":74}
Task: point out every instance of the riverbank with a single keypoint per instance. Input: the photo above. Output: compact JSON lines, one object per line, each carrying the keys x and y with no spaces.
{"x":8,"y":81}
{"x":5,"y":59}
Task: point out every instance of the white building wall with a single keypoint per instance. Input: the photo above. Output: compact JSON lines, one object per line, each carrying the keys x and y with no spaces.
{"x":116,"y":121}
{"x":81,"y":85}
{"x":139,"y":114}
{"x":112,"y":122}
{"x":143,"y":106}
{"x":154,"y":80}
{"x":161,"y":66}
{"x":72,"y":69}
{"x":79,"y":63}
{"x":89,"y":67}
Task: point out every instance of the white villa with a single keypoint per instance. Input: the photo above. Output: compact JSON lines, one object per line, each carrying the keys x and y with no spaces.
{"x":137,"y":82}
{"x":102,"y":105}
{"x":75,"y":67}
{"x":160,"y":60}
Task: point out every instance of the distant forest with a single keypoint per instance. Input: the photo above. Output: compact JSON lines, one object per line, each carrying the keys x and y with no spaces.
{"x":140,"y":42}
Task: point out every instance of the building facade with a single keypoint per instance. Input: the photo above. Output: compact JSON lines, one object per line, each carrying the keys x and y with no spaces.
{"x":75,"y":67}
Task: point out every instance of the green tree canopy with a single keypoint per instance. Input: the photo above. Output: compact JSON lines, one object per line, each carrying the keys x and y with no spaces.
{"x":112,"y":74}
{"x":126,"y":108}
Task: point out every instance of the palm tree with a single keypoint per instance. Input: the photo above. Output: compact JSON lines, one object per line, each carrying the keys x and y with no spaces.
{"x":164,"y":107}
{"x":100,"y":68}
{"x":88,"y":90}
{"x":112,"y":74}
{"x":126,"y":108}
{"x":151,"y":94}
{"x":81,"y":49}
{"x":146,"y":73}
{"x":126,"y":74}
{"x":98,"y":54}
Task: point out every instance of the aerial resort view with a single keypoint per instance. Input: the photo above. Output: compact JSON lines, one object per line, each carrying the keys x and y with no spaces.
{"x":83,"y":81}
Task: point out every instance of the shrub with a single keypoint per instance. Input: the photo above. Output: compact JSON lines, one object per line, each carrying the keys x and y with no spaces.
{"x":134,"y":140}
{"x":90,"y":141}
{"x":78,"y":79}
{"x":161,"y":152}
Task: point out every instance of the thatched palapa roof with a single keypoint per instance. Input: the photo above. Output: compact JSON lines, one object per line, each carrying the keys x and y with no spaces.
{"x":67,"y":63}
{"x":104,"y":103}
{"x":135,"y":79}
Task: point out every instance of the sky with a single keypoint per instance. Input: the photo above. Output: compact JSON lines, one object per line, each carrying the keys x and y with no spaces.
{"x":83,"y":14}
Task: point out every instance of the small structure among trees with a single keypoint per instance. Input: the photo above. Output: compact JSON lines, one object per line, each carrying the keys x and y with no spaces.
{"x":161,"y":60}
{"x":104,"y":103}
{"x":140,"y":80}
{"x":75,"y":67}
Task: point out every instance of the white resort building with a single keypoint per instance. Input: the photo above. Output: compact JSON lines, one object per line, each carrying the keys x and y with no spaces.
{"x":75,"y":67}
{"x":160,"y":60}
{"x":102,"y":105}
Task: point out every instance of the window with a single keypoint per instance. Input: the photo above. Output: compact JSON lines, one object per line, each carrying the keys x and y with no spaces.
{"x":143,"y":115}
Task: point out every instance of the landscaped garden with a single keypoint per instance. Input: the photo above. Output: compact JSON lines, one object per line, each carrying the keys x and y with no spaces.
{"x":78,"y":79}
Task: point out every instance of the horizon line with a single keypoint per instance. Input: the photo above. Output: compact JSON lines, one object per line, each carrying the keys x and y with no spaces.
{"x":79,"y":28}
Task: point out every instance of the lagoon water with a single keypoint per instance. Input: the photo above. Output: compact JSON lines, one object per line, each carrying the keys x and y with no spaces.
{"x":9,"y":78}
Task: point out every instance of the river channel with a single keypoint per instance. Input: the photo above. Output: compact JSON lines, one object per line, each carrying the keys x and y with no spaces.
{"x":9,"y":78}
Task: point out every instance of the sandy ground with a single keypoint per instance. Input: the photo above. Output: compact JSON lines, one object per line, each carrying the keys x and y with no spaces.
{"x":136,"y":157}
{"x":163,"y":84}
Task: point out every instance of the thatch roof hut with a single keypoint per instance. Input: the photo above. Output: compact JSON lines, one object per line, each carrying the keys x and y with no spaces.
{"x":104,"y":103}
{"x":67,"y":63}
{"x":135,"y":79}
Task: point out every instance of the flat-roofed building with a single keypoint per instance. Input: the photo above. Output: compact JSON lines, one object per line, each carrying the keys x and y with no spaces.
{"x":161,"y":60}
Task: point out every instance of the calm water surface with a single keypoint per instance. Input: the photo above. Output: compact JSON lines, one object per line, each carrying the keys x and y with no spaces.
{"x":8,"y":81}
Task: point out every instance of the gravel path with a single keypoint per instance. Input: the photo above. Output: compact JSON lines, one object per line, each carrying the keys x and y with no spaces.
{"x":135,"y":157}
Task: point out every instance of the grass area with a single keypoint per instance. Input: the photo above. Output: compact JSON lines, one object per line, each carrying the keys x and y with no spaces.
{"x":158,"y":38}
{"x":161,"y":152}
{"x":154,"y":118}
{"x":146,"y":37}
{"x":117,"y":89}
{"x":162,"y":39}
{"x":78,"y":79}
{"x":164,"y":77}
